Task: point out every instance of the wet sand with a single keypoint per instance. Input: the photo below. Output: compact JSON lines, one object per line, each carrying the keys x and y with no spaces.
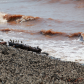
{"x":19,"y":66}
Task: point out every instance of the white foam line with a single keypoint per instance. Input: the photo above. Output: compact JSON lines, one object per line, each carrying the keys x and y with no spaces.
{"x":65,"y":50}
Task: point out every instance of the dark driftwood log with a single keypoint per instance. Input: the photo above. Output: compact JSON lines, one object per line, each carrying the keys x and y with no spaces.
{"x":25,"y":47}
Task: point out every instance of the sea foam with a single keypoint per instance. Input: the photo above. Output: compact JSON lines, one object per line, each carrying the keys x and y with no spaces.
{"x":2,"y":20}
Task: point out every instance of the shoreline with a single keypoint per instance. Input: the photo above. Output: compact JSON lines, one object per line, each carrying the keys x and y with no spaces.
{"x":19,"y":66}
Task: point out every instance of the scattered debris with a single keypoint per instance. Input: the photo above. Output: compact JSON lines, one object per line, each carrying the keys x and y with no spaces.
{"x":45,"y":53}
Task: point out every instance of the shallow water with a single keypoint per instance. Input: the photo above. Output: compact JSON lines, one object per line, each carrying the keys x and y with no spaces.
{"x":56,"y":25}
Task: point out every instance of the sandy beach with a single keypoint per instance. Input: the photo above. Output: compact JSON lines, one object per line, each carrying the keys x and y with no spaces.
{"x":19,"y":66}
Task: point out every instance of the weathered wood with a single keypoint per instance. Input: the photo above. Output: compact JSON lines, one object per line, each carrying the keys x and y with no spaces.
{"x":25,"y":47}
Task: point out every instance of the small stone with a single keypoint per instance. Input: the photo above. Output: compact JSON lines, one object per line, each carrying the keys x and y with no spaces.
{"x":0,"y":80}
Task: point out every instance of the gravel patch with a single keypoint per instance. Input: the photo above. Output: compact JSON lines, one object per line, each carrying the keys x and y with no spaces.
{"x":19,"y":66}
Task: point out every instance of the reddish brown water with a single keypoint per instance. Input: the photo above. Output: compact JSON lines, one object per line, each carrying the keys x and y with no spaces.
{"x":54,"y":25}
